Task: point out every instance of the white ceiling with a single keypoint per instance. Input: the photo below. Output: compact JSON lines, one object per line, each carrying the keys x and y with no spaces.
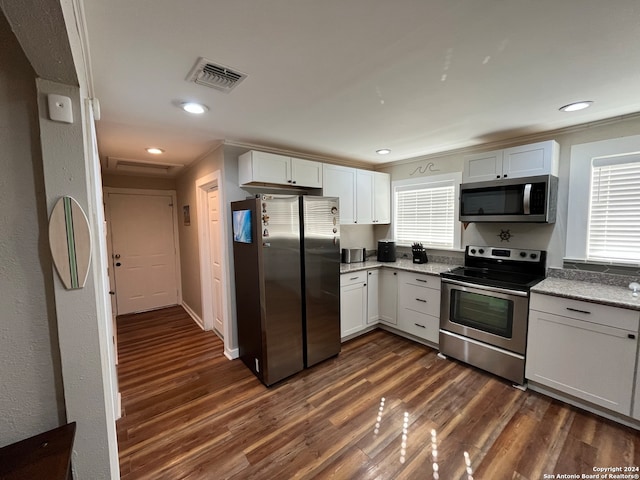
{"x":343,"y":78}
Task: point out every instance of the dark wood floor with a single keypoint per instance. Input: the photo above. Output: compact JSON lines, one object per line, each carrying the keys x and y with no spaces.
{"x":374,"y":412}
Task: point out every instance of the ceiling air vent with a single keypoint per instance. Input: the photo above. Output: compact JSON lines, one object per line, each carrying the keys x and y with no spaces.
{"x":215,"y":76}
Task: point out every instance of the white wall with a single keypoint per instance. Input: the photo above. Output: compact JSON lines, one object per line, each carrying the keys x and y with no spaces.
{"x":31,"y":394}
{"x":550,"y":237}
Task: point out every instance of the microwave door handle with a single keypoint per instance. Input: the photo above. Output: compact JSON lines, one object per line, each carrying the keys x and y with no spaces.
{"x":526,"y":200}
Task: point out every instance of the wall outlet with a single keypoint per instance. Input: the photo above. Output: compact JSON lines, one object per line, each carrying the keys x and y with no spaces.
{"x":60,"y":109}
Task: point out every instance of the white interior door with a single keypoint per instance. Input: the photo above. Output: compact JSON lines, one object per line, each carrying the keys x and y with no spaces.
{"x":142,"y":234}
{"x":216,"y":258}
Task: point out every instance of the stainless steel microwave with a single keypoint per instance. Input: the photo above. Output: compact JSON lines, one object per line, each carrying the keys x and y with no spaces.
{"x":527,"y":199}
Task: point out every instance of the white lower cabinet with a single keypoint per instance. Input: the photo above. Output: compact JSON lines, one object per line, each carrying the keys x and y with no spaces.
{"x":353,"y":302}
{"x":635,"y":412}
{"x":373,"y":287}
{"x":388,"y":295}
{"x":583,"y":349}
{"x":419,"y":305}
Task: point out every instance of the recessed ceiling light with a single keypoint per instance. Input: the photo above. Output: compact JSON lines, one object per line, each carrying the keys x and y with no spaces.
{"x":574,"y":107}
{"x":383,"y":151}
{"x":155,"y":151}
{"x":196,"y":108}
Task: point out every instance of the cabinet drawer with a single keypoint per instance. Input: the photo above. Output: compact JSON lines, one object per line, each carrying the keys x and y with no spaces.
{"x":429,"y":281}
{"x":420,"y":299}
{"x":590,"y":312}
{"x":419,"y":324}
{"x":353,"y":277}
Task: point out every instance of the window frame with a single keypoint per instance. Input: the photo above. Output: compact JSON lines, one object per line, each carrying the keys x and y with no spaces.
{"x":582,"y":159}
{"x":454,"y":178}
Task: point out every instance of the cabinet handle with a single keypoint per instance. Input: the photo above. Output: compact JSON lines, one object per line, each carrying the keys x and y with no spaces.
{"x":395,"y":273}
{"x":353,"y":278}
{"x":369,"y":273}
{"x":421,"y":300}
{"x":497,"y":176}
{"x":365,"y":285}
{"x":631,"y":336}
{"x":288,"y":181}
{"x":576,"y":310}
{"x":293,"y":182}
{"x":420,"y":280}
{"x":418,"y":325}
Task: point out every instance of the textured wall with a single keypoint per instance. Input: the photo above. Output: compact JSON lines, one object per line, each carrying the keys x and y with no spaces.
{"x":31,"y":398}
{"x":188,"y":235}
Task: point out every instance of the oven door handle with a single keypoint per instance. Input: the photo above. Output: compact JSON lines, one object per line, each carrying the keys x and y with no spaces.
{"x":484,"y":287}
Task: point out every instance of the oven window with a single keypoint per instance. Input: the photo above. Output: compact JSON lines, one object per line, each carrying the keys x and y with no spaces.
{"x":482,"y":312}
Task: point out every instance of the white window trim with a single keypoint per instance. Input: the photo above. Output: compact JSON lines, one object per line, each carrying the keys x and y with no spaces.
{"x":456,"y":177}
{"x":582,"y":157}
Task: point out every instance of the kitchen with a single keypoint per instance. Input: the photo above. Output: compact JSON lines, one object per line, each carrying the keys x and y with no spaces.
{"x":212,"y":154}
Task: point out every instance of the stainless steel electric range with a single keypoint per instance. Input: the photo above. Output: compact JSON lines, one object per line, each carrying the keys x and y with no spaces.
{"x":485,"y":308}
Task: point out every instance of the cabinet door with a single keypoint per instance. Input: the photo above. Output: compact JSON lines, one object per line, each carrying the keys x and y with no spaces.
{"x":271,"y":168}
{"x":340,"y":182}
{"x":482,"y":166}
{"x":419,"y":324}
{"x":528,"y":160}
{"x":373,"y":294}
{"x":388,"y":294}
{"x":381,"y":197}
{"x":306,"y":173}
{"x":364,"y":196}
{"x":353,"y":308}
{"x":587,"y":360}
{"x":636,"y":404}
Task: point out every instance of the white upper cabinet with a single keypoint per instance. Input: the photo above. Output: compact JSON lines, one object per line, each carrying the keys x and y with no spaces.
{"x":480,"y":167}
{"x":340,"y":182}
{"x":523,"y":161}
{"x":306,"y":173}
{"x":381,"y":197}
{"x":365,"y":196}
{"x":262,"y":167}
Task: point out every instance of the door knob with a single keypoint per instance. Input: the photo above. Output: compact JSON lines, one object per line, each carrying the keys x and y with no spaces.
{"x":116,"y":256}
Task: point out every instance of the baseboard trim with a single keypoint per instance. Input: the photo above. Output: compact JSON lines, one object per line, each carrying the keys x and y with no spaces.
{"x":232,"y":354}
{"x":193,"y":315}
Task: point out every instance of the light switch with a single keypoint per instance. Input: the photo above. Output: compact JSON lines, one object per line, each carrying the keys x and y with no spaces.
{"x":60,"y":108}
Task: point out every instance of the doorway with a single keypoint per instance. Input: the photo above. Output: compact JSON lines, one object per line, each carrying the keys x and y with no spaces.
{"x":214,"y":266}
{"x":143,"y":246}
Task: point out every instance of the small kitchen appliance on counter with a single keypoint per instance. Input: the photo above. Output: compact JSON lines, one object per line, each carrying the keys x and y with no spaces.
{"x":386,"y":251}
{"x":354,"y":255}
{"x":419,"y":254}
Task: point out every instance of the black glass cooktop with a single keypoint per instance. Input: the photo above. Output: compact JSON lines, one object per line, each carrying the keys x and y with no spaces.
{"x":493,"y":278}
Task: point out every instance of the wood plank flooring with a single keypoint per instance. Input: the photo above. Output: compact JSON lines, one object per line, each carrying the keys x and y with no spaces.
{"x":380,"y":410}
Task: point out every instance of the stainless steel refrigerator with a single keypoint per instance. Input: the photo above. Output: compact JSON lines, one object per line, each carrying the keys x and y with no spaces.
{"x":286,"y":251}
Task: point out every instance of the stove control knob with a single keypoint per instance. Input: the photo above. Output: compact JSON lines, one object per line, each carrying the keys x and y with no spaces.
{"x":481,"y":251}
{"x":523,"y":254}
{"x":534,"y":255}
{"x":473,"y":251}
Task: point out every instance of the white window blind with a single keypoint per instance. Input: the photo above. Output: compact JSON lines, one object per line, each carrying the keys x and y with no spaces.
{"x":614,"y":213}
{"x":426,"y":213}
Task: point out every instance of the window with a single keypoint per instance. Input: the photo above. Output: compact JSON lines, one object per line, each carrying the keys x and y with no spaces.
{"x":603,"y":222}
{"x":425,"y":210}
{"x":614,"y":213}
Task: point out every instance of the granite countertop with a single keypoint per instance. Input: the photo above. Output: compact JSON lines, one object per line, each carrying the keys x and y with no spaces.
{"x":587,"y":291}
{"x":400,"y":264}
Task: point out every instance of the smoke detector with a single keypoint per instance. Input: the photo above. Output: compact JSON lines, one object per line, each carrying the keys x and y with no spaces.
{"x":213,"y":75}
